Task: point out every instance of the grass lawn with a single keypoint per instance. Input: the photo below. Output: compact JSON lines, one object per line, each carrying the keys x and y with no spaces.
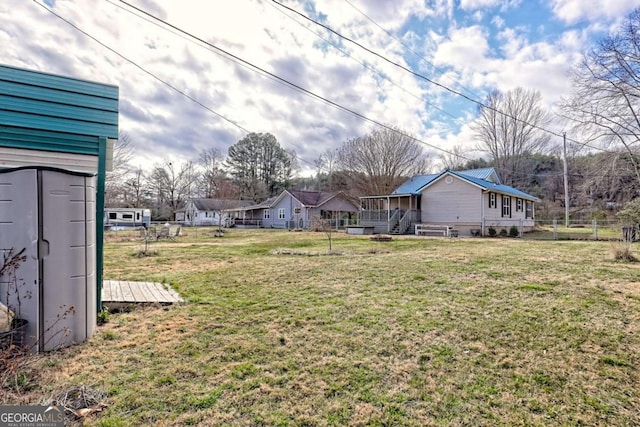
{"x":413,"y":332}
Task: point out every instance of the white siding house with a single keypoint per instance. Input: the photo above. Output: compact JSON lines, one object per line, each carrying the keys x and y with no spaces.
{"x":207,"y":212}
{"x":467,"y":201}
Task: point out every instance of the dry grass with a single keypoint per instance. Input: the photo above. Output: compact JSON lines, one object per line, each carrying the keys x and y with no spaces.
{"x":416,"y":331}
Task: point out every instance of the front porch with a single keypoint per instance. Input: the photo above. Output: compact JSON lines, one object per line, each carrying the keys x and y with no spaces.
{"x":393,"y":214}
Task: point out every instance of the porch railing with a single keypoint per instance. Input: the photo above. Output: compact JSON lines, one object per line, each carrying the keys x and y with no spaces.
{"x":393,"y":220}
{"x":405,"y":222}
{"x":374,"y":216}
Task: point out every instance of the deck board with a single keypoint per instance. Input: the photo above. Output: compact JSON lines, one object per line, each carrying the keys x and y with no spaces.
{"x":120,"y":291}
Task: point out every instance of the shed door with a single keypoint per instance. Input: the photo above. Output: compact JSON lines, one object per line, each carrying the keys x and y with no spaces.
{"x":67,"y":265}
{"x":18,"y":230}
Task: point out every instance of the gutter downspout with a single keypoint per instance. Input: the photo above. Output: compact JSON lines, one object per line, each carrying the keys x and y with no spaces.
{"x":482,"y":211}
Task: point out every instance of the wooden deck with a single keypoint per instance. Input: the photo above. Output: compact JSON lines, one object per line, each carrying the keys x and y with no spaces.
{"x":124,"y":292}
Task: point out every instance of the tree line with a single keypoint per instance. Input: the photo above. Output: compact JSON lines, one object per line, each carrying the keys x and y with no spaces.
{"x":511,"y":133}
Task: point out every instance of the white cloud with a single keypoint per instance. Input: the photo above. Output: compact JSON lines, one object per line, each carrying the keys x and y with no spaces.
{"x":478,"y":4}
{"x":463,"y":47}
{"x":573,"y":11}
{"x":498,"y":21}
{"x":162,"y":123}
{"x":470,"y":5}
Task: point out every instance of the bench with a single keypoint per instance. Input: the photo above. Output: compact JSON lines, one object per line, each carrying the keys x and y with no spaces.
{"x":438,"y":230}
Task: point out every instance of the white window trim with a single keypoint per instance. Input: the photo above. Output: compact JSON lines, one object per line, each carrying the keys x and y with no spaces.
{"x":492,"y":200}
{"x":506,"y":206}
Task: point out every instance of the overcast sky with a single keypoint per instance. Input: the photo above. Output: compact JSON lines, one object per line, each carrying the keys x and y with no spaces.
{"x":468,"y":46}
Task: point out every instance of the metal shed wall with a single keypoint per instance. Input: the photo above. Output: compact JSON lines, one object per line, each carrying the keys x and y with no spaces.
{"x":67,"y":118}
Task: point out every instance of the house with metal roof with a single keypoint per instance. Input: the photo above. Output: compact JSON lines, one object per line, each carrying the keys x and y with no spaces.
{"x":298,"y":209}
{"x":468,"y":202}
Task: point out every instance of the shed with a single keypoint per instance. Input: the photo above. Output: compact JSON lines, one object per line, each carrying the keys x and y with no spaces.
{"x":59,"y":122}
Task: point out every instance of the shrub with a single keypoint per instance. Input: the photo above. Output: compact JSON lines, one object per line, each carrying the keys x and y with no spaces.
{"x":503,"y":232}
{"x":492,"y":231}
{"x":621,"y":251}
{"x":513,"y":231}
{"x":103,"y":316}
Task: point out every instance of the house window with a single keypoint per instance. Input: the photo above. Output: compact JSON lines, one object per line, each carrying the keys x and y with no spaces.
{"x":529,"y":212}
{"x":266,"y":214}
{"x":518,"y":205}
{"x":281,"y":213}
{"x":492,"y":200}
{"x":506,"y":206}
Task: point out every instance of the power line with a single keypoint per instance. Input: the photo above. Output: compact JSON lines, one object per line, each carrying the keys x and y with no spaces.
{"x":421,"y":57}
{"x":289,"y":83}
{"x":433,"y":82}
{"x":151,"y":74}
{"x":364,"y":65}
{"x":141,"y":68}
{"x":184,"y":37}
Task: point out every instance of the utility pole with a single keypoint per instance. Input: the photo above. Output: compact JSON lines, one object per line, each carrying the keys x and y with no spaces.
{"x":566,"y":179}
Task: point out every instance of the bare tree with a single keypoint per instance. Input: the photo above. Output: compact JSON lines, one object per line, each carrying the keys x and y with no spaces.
{"x":114,"y":180}
{"x":325,"y":166}
{"x":605,"y":104}
{"x":509,"y":128}
{"x":323,"y":224}
{"x":212,"y":173}
{"x":377,"y":163}
{"x":136,"y":190}
{"x":453,"y":159}
{"x":173,"y":185}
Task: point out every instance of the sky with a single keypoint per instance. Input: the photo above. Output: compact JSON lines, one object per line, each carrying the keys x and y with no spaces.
{"x":225,"y":68}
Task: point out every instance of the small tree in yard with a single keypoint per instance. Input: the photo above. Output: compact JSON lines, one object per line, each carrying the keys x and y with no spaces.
{"x":322,"y":224}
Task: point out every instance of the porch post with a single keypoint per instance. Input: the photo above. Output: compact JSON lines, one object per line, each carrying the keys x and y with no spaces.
{"x":388,"y":213}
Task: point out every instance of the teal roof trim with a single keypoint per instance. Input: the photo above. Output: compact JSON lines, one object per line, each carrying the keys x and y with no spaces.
{"x":48,"y":141}
{"x":63,"y":83}
{"x":32,"y":100}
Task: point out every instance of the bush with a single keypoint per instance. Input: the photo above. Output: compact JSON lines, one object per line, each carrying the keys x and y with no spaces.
{"x":492,"y":232}
{"x":103,"y":316}
{"x":513,"y":231}
{"x":631,"y":212}
{"x":621,"y":251}
{"x":503,"y":232}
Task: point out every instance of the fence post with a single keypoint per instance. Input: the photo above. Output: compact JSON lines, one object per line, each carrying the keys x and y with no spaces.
{"x":555,"y":229}
{"x":521,"y":225}
{"x":594,"y":223}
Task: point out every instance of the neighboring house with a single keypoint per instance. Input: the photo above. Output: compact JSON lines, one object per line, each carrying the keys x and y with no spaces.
{"x":202,"y":212}
{"x":298,"y":209}
{"x":469,"y":201}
